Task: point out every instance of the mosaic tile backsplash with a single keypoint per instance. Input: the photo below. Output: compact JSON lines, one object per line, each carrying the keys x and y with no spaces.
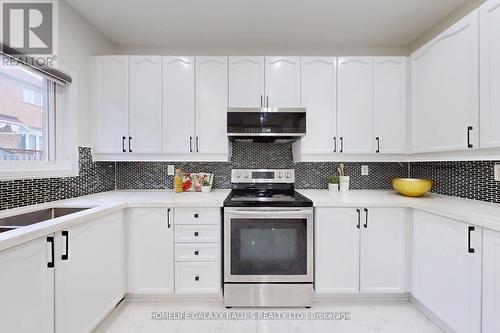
{"x":465,"y":179}
{"x":471,"y":179}
{"x":93,"y":178}
{"x":146,"y":175}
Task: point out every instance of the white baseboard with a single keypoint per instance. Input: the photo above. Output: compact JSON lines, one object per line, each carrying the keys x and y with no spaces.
{"x":429,"y":314}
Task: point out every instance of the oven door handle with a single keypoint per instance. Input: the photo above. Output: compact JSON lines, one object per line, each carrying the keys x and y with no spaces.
{"x":267,"y":212}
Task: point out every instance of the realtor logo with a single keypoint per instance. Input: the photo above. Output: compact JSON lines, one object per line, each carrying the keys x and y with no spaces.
{"x":28,"y":26}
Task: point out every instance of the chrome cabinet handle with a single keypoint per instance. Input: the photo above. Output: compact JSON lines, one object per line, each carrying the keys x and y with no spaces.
{"x":378,"y":144}
{"x":469,"y":144}
{"x":123,"y":144}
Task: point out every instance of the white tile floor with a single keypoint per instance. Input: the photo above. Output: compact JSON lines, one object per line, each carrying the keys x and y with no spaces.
{"x":135,"y":317}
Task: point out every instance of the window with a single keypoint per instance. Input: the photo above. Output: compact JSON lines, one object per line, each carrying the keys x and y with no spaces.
{"x":26,"y":112}
{"x":32,"y":96}
{"x":35,"y":109}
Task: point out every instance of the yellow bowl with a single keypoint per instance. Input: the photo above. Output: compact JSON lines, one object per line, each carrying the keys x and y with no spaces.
{"x":412,"y":187}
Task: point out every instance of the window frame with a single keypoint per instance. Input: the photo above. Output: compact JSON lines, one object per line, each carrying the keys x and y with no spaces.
{"x":61,"y":141}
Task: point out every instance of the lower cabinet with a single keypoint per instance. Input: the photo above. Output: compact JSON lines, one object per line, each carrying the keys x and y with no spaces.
{"x":197,"y":251}
{"x":150,"y":250}
{"x":446,"y":270}
{"x":27,"y":287}
{"x":90,"y":273}
{"x":491,"y":281}
{"x":360,"y":250}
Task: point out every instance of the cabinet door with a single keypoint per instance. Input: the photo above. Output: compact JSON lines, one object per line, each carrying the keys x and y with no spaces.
{"x":91,"y":281}
{"x":491,"y":281}
{"x":282,"y":82}
{"x":383,"y":250}
{"x":111,"y":98}
{"x":319,"y":80}
{"x":444,"y":89}
{"x":390,"y":104}
{"x":27,"y":288}
{"x":490,"y":73}
{"x":446,"y":278}
{"x":150,"y":251}
{"x":178,"y":105}
{"x":211,"y":105}
{"x":355,"y":105}
{"x":336,"y":251}
{"x":145,"y":116}
{"x":246,"y":82}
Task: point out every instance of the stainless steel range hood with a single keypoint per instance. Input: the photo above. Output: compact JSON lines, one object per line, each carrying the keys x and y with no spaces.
{"x":278,"y":125}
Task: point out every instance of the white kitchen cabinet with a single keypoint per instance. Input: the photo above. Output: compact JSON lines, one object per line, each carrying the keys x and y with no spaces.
{"x":27,"y":287}
{"x":445,"y":89}
{"x":355,"y":105}
{"x":178,"y":104}
{"x":489,"y":32}
{"x":319,"y":87}
{"x":150,"y":250}
{"x":211,"y":105}
{"x":145,"y":116}
{"x":390,"y":104}
{"x":491,"y":281}
{"x":383,"y":250}
{"x":246,"y":82}
{"x":446,"y":270}
{"x":91,"y":281}
{"x":111,"y":108}
{"x":282,"y":83}
{"x":197,"y":277}
{"x":336,"y":251}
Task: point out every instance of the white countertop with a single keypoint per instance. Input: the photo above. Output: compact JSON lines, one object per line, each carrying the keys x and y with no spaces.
{"x":103,"y":203}
{"x":479,"y":213}
{"x":469,"y":211}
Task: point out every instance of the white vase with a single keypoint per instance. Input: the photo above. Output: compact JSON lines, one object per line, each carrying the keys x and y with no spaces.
{"x":333,"y":187}
{"x":206,"y":189}
{"x":344,"y":183}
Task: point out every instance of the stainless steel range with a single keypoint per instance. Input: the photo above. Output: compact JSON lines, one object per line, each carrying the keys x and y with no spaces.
{"x":268,"y":241}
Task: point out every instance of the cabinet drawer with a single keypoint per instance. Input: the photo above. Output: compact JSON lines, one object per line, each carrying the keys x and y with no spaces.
{"x":197,"y":277}
{"x":197,"y":233}
{"x":197,"y":216}
{"x":197,"y":252}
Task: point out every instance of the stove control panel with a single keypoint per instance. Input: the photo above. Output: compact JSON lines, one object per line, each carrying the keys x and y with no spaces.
{"x":286,"y":176}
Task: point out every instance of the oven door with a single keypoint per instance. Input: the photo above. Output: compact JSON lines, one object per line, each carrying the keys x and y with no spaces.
{"x":268,"y":245}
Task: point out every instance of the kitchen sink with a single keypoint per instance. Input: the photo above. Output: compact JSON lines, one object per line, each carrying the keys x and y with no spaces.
{"x":21,"y":220}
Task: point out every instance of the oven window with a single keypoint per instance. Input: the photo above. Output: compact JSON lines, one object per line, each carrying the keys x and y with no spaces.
{"x":268,"y":246}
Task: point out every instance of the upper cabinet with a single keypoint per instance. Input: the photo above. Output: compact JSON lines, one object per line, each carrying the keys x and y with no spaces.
{"x":246,"y":82}
{"x":390,"y":104}
{"x":444,"y":90}
{"x":490,"y":73}
{"x":178,"y":105}
{"x":319,"y":85}
{"x":282,"y":83}
{"x":211,"y":105}
{"x":111,"y":98}
{"x":145,"y":115}
{"x":355,"y":104}
{"x":128,"y":104}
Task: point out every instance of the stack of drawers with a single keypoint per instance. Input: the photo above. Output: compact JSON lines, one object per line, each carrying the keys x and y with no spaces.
{"x":197,"y":250}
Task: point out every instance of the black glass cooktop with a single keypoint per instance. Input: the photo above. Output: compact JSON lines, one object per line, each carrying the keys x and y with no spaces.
{"x":266,"y":198}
